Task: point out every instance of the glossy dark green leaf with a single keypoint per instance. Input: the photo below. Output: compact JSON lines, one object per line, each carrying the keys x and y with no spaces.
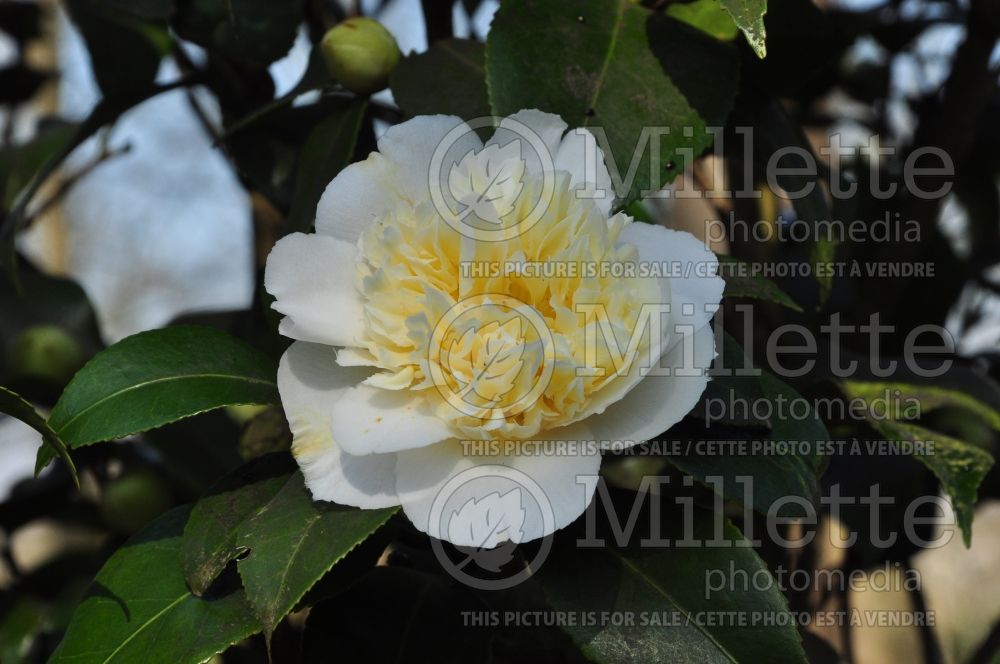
{"x":125,"y":51}
{"x":741,"y":281}
{"x":160,"y":376}
{"x":775,"y":130}
{"x":614,"y":65}
{"x":707,"y":15}
{"x":749,"y":17}
{"x":785,"y":462}
{"x":672,"y":593}
{"x":928,"y":397}
{"x":264,"y":512}
{"x":213,"y":533}
{"x":327,"y":150}
{"x":254,"y":33}
{"x":314,"y":77}
{"x":292,"y":542}
{"x":735,"y":381}
{"x":449,"y":78}
{"x":139,"y":609}
{"x":13,"y":405}
{"x":960,"y":467}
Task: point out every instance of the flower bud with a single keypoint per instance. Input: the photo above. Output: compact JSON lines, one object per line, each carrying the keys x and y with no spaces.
{"x":134,"y":499}
{"x":46,"y":352}
{"x":360,"y":54}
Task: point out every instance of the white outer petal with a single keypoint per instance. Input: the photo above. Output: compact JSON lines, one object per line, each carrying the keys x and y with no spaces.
{"x":312,"y":278}
{"x":422,"y":474}
{"x":579,"y":155}
{"x":548,"y":128}
{"x":618,"y":388}
{"x":694,"y":297}
{"x":360,"y":193}
{"x":309,"y":382}
{"x":411,"y":146}
{"x":657,"y":403}
{"x":370,"y":420}
{"x":398,"y":172}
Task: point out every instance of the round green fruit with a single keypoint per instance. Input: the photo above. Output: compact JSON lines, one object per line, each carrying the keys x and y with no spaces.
{"x":360,"y":53}
{"x":47,"y":352}
{"x":133,"y":500}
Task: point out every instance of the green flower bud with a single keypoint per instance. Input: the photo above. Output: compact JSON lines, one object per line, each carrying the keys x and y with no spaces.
{"x":46,"y":352}
{"x":133,"y":500}
{"x":360,"y":54}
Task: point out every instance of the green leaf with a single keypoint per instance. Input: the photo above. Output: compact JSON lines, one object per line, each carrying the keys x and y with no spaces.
{"x":125,"y":52}
{"x":706,"y":15}
{"x":265,"y":511}
{"x":639,"y":211}
{"x":749,"y":16}
{"x":12,"y":404}
{"x":613,"y":65}
{"x":775,"y":475}
{"x":212,"y":535}
{"x":672,"y":584}
{"x":156,"y":377}
{"x":734,"y":381}
{"x":742,"y":282}
{"x":293,"y":541}
{"x":139,"y":609}
{"x":253,"y":33}
{"x":327,"y":150}
{"x":928,"y":397}
{"x":775,"y":130}
{"x":315,"y":77}
{"x":449,"y":77}
{"x":960,"y":467}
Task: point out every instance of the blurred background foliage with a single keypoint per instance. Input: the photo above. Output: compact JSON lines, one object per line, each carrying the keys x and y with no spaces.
{"x":152,"y":151}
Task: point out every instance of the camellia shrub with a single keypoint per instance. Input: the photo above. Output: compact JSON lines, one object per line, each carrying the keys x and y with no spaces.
{"x":595,"y":330}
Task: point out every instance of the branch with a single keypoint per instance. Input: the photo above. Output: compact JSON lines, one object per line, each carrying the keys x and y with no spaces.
{"x":71,"y":180}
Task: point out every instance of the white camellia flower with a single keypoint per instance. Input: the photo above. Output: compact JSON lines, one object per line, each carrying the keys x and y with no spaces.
{"x":382,"y":403}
